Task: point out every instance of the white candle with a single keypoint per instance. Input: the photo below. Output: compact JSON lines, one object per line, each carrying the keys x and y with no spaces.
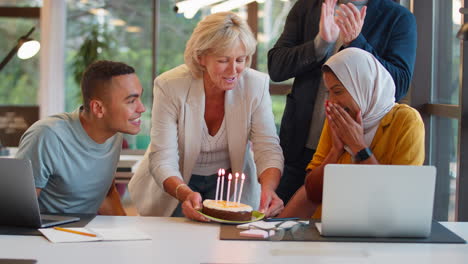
{"x":222,"y":186}
{"x":229,"y":188}
{"x":217,"y":184}
{"x":235,"y":187}
{"x":242,"y":186}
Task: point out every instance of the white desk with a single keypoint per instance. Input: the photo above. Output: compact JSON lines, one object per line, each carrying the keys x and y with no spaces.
{"x":178,"y":240}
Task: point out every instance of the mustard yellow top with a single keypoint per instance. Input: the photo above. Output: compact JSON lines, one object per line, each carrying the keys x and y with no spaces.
{"x":399,"y":140}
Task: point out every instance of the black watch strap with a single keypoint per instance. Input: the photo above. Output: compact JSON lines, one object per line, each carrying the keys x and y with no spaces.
{"x":363,"y":154}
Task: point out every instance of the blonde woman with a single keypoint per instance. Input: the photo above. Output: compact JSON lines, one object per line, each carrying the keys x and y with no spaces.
{"x":205,"y":115}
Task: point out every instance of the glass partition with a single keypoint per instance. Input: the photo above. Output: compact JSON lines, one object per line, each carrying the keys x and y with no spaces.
{"x":115,"y":30}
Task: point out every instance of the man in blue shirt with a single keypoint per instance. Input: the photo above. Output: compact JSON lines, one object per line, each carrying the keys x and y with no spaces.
{"x":74,"y":155}
{"x":315,"y":30}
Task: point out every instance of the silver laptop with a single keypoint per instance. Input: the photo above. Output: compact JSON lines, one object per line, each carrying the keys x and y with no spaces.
{"x":18,"y":199}
{"x":377,"y":200}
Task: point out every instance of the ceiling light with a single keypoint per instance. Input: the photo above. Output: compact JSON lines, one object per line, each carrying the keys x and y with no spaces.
{"x":118,"y":22}
{"x":230,"y":5}
{"x":29,"y":49}
{"x":99,"y":11}
{"x":133,"y":29}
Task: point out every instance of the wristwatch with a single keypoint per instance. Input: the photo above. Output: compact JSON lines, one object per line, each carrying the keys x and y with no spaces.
{"x":363,"y":154}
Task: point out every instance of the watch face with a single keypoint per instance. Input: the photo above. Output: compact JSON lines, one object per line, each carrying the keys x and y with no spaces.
{"x":363,"y":154}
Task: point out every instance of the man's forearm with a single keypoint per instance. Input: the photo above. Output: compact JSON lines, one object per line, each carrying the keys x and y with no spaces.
{"x":112,"y":205}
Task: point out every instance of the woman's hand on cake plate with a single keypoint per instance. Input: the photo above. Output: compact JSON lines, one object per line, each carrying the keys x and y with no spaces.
{"x":270,"y":203}
{"x":191,"y":205}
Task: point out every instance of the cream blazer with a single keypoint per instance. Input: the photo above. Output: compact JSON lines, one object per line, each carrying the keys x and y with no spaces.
{"x":177,"y":119}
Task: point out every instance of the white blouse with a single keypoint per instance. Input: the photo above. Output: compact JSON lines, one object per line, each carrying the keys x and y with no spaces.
{"x":214,"y":152}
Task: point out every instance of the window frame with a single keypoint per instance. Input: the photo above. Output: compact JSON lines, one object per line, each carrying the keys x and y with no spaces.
{"x":424,"y":82}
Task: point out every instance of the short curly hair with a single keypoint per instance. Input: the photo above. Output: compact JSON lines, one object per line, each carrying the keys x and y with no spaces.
{"x":216,"y":34}
{"x":97,"y":75}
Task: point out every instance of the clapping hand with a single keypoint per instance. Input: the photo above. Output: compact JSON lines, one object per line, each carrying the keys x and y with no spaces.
{"x":350,"y":21}
{"x":329,"y":30}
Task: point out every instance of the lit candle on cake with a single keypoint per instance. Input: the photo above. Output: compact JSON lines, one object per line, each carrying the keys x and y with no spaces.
{"x":222,"y":184}
{"x":235,"y":187}
{"x":217,"y":184}
{"x":228,"y":188}
{"x":241,"y":187}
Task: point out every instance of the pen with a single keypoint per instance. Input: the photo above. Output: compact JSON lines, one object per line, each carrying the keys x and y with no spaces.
{"x":281,"y":219}
{"x":74,"y":232}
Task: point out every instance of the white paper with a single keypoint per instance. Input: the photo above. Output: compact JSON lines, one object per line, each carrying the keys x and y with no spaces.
{"x":270,"y":225}
{"x":103,"y":234}
{"x":113,"y":234}
{"x":256,"y":233}
{"x":318,"y":225}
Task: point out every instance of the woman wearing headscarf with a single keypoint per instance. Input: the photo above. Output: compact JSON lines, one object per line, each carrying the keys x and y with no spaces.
{"x":363,"y":125}
{"x":207,"y":114}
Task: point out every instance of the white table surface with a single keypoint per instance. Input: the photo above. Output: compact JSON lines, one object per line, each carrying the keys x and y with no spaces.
{"x":178,"y":240}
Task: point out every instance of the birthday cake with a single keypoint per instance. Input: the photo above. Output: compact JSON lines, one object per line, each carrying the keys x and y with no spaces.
{"x":232,"y":211}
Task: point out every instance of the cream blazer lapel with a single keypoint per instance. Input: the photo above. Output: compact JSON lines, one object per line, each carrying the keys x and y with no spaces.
{"x":194,"y":109}
{"x":236,"y":124}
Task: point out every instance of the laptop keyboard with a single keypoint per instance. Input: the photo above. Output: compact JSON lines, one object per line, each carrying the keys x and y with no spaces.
{"x":49,"y":220}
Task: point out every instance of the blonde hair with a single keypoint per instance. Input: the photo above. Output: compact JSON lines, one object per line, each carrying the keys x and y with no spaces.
{"x":216,"y":34}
